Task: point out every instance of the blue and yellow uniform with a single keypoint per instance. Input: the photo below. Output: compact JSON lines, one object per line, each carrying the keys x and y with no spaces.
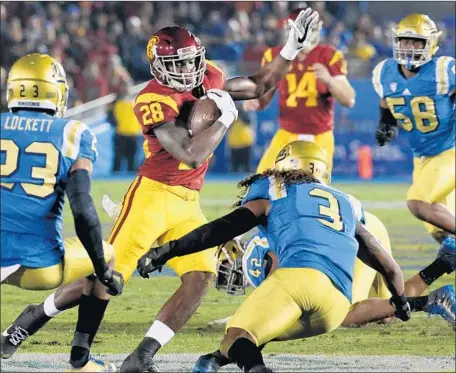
{"x":311,"y":228}
{"x":424,"y":105}
{"x":37,"y":153}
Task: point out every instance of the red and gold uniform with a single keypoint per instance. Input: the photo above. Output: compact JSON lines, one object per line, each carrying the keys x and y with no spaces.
{"x":306,"y":107}
{"x":162,"y":203}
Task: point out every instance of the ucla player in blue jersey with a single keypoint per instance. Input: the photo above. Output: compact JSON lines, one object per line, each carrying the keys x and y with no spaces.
{"x":417,"y":93}
{"x":315,"y":231}
{"x":42,"y":157}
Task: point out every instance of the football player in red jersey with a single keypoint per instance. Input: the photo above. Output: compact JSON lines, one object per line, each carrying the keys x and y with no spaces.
{"x":162,"y":203}
{"x":316,"y":78}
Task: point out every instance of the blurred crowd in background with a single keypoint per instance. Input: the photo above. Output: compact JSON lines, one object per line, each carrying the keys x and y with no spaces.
{"x":102,"y":45}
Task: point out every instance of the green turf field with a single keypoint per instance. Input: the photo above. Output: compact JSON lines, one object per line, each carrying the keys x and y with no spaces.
{"x":129,"y":316}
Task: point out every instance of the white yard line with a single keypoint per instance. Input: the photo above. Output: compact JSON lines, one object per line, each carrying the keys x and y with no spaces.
{"x":27,"y":362}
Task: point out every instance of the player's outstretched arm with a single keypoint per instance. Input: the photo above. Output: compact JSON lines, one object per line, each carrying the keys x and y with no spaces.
{"x":372,"y":253}
{"x":193,"y":151}
{"x":205,"y":237}
{"x":255,"y":86}
{"x":87,"y":224}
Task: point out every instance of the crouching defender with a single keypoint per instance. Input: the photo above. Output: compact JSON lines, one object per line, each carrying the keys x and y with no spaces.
{"x":44,"y":156}
{"x":316,"y":231}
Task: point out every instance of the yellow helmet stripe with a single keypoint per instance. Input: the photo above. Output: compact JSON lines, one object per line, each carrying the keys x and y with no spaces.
{"x":376,"y":76}
{"x":72,"y":138}
{"x":147,"y":98}
{"x":441,"y":75}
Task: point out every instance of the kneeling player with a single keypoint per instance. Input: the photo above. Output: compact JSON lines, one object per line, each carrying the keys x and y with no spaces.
{"x":315,"y":230}
{"x":248,"y":264}
{"x":46,"y":156}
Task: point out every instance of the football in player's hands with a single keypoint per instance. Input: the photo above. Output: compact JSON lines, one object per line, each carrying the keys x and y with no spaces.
{"x":202,"y":115}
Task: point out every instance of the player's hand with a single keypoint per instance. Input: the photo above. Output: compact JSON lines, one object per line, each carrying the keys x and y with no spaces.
{"x":225,"y":104}
{"x":251,"y":105}
{"x":300,"y":33}
{"x":154,"y":260}
{"x":322,"y":73}
{"x":113,"y":281}
{"x":402,"y":307}
{"x":385,"y":133}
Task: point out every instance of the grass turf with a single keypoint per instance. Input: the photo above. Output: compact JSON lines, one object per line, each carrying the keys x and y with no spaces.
{"x":129,"y":316}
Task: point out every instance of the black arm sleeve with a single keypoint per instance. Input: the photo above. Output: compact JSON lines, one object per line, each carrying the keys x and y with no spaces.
{"x":215,"y":233}
{"x":86,"y":221}
{"x":387,"y":118}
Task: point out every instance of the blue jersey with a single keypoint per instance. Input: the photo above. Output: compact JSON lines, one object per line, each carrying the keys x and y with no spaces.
{"x":424,"y":105}
{"x":37,"y":153}
{"x":311,"y":226}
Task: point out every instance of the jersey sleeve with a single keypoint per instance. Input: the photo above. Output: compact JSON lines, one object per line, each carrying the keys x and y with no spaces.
{"x":358,"y":208}
{"x":253,"y":262}
{"x":154,"y":109}
{"x":377,"y":74}
{"x":445,"y":76}
{"x":79,"y":141}
{"x":258,"y":190}
{"x":337,"y":64}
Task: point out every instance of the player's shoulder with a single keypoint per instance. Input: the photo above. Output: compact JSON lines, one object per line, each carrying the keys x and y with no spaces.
{"x":215,"y":75}
{"x":78,"y":140}
{"x":385,"y":69}
{"x":156,"y":92}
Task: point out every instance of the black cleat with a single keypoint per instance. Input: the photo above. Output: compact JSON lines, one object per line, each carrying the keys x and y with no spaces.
{"x":138,"y":362}
{"x":11,"y":339}
{"x":260,"y":369}
{"x":210,"y":363}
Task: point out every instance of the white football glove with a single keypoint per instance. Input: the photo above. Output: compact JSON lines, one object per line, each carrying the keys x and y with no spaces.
{"x":300,"y":33}
{"x":225,"y":104}
{"x":110,"y":207}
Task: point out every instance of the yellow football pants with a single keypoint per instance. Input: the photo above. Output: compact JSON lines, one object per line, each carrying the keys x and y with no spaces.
{"x":283,"y":137}
{"x":288,"y":297}
{"x":434,"y":181}
{"x":156,"y":212}
{"x":76,"y":265}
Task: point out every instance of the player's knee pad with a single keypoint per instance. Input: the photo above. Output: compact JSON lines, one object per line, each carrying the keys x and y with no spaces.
{"x":47,"y":278}
{"x":77,"y":262}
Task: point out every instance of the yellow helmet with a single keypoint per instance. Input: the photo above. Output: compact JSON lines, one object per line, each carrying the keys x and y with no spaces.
{"x":37,"y":81}
{"x":415,"y":26}
{"x":304,"y":155}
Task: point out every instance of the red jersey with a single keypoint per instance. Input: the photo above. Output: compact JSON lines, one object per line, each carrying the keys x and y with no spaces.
{"x":305,"y":104}
{"x":157,"y":104}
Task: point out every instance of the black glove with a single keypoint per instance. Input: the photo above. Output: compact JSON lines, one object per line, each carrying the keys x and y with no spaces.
{"x":154,"y":260}
{"x":402,"y":307}
{"x":113,"y":281}
{"x":385,"y":133}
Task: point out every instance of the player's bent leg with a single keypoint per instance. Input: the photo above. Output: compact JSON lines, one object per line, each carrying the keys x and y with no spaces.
{"x":433,"y":184}
{"x":280,"y":139}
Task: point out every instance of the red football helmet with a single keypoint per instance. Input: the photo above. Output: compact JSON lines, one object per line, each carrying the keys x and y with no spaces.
{"x":177,"y":58}
{"x":314,"y":38}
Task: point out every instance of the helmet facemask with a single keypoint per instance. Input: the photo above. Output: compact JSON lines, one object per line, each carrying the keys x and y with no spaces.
{"x":413,"y":57}
{"x":167,"y":69}
{"x":230,"y":276}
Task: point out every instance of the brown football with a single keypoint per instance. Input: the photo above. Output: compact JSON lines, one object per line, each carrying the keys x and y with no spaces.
{"x":202,"y":115}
